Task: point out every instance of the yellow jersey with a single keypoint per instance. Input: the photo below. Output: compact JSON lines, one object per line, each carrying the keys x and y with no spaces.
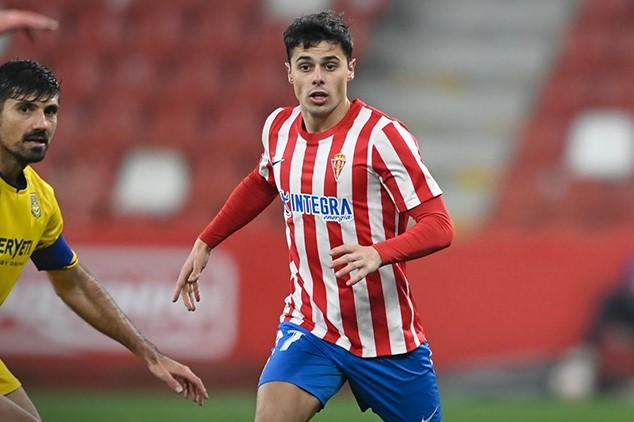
{"x":30,"y":227}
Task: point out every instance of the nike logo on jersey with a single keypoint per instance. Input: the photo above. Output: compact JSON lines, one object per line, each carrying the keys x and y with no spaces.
{"x":430,"y":416}
{"x":329,"y":208}
{"x":274,"y":162}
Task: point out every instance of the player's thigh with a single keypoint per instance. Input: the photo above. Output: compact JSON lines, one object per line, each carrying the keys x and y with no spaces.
{"x":17,"y":407}
{"x":399,"y":388}
{"x":302,"y":375}
{"x":284,"y":402}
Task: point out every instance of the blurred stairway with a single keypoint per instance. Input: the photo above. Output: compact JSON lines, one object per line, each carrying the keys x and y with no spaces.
{"x":461,"y":74}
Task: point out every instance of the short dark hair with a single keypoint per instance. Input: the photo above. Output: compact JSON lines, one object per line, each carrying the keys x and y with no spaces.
{"x":310,"y":30}
{"x":20,"y":79}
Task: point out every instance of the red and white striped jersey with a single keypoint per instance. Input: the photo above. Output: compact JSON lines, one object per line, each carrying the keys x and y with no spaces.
{"x":352,"y":184}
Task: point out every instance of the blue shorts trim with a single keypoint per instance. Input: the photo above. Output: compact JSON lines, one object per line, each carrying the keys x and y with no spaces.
{"x":397,"y":388}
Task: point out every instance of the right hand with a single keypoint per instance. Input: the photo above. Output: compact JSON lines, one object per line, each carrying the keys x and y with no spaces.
{"x":187,"y":283}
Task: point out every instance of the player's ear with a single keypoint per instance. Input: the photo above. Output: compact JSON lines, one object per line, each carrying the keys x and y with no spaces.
{"x":288,"y":72}
{"x":352,"y":65}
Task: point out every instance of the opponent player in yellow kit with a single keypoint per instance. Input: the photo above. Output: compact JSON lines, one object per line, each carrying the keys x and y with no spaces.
{"x":31,"y":227}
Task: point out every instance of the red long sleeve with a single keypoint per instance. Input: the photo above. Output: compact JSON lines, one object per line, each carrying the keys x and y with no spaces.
{"x":245,"y":203}
{"x":432,"y":232}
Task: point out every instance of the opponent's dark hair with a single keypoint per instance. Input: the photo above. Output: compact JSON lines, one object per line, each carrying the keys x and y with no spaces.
{"x":20,"y":79}
{"x":310,"y":30}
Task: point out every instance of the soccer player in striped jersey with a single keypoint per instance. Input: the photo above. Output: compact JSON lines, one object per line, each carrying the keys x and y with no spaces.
{"x":31,"y":227}
{"x":349,"y":178}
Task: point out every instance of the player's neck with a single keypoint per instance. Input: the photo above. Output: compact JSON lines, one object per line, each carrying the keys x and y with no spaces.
{"x":10,"y":169}
{"x":317,"y":124}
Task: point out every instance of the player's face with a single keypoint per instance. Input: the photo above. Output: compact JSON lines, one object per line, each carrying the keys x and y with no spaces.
{"x":320,"y":77}
{"x":27,"y":127}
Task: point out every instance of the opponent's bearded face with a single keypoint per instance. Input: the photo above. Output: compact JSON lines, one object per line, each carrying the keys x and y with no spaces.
{"x":320,"y":77}
{"x":27,"y":127}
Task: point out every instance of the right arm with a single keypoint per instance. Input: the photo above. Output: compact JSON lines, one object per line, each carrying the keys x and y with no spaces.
{"x":245,"y":203}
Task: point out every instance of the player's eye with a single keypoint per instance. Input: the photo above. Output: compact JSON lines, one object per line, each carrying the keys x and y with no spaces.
{"x":51,"y":111}
{"x":25,"y":108}
{"x":331,"y":66}
{"x":304,"y":67}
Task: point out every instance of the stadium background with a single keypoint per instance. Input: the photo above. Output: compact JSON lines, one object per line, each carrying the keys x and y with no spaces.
{"x":162,"y":103}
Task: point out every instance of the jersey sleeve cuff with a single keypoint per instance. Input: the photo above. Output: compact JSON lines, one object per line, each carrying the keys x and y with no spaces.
{"x":57,"y":256}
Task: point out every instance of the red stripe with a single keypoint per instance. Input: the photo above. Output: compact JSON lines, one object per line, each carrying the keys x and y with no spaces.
{"x":335,"y":237}
{"x":364,"y":236}
{"x":405,"y":296}
{"x":411,"y":163}
{"x":405,"y":292}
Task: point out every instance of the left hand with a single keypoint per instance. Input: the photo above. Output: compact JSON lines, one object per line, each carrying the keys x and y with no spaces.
{"x":178,"y":377}
{"x":363,"y":259}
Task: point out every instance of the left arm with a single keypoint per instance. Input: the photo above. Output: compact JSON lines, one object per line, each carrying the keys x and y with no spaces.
{"x":84,"y":295}
{"x":432,"y":232}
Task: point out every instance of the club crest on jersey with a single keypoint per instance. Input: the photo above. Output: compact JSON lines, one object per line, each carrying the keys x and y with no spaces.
{"x":35,"y":206}
{"x":329,"y":208}
{"x":338,"y":161}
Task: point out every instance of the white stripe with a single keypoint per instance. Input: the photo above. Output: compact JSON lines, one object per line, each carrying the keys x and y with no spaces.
{"x":414,"y":148}
{"x":322,"y":164}
{"x":294,"y":186}
{"x":296,"y":296}
{"x":265,"y":159}
{"x":282,"y":140}
{"x":388,"y":282}
{"x":360,"y":290}
{"x":394,"y":165}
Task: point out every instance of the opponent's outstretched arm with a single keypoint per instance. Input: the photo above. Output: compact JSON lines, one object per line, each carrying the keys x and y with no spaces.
{"x":84,"y":295}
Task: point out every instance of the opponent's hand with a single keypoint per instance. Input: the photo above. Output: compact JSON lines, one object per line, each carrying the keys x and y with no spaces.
{"x":178,"y":377}
{"x":187,"y":282}
{"x":16,"y":20}
{"x":363,"y":259}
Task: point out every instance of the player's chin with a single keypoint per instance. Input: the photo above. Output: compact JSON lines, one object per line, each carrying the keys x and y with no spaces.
{"x":34,"y":157}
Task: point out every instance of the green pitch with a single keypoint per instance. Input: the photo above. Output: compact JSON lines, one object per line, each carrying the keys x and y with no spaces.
{"x":134,"y":406}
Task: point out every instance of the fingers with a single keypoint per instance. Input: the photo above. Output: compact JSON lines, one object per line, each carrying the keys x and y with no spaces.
{"x":13,"y":19}
{"x":196,"y":291}
{"x":180,"y":379}
{"x":172,"y":382}
{"x":361,"y":259}
{"x":194,"y":389}
{"x":37,"y":21}
{"x":188,"y":293}
{"x":181,"y":280}
{"x":341,"y":250}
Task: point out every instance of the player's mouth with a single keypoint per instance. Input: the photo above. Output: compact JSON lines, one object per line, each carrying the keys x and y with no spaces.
{"x":318,"y":97}
{"x":36,"y":140}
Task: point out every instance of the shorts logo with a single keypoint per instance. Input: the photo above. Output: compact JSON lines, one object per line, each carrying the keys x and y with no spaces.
{"x":35,"y":206}
{"x":430,"y":416}
{"x":338,"y":161}
{"x":329,"y":208}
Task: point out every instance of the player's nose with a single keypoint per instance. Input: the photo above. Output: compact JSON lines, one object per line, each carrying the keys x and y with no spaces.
{"x":318,"y":76}
{"x":40,"y":122}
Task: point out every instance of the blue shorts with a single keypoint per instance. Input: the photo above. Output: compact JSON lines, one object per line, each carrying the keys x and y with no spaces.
{"x":397,"y":388}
